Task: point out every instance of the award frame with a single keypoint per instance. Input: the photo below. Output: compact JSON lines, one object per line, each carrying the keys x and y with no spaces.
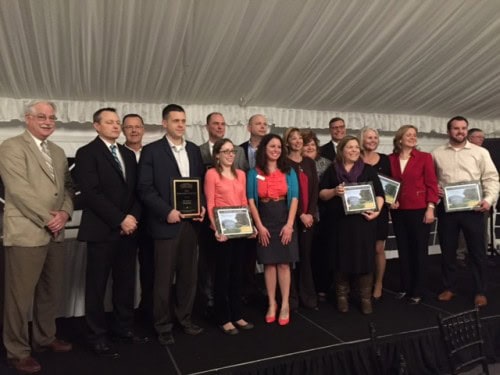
{"x":463,"y":196}
{"x":391,"y":188}
{"x":186,"y":196}
{"x":359,"y":198}
{"x":234,"y":221}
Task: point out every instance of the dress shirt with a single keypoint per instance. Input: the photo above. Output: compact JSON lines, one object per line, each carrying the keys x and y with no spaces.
{"x":181,"y":157}
{"x":122,"y":164}
{"x":137,"y":153}
{"x":469,"y":163}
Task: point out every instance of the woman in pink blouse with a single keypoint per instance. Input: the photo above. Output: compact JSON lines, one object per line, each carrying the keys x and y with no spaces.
{"x":225,"y":186}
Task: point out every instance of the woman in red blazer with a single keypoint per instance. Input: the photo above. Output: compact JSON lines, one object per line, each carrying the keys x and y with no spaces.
{"x":413,"y":212}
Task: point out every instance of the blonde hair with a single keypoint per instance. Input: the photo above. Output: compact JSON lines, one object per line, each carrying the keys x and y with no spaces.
{"x":399,"y":136}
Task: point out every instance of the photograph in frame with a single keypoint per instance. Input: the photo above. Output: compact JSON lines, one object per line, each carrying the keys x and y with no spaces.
{"x":465,"y":196}
{"x":186,"y":196}
{"x":391,"y":188}
{"x":233,"y":222}
{"x":359,"y":198}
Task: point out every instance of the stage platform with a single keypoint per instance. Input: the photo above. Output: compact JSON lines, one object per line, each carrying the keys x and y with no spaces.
{"x":315,"y":342}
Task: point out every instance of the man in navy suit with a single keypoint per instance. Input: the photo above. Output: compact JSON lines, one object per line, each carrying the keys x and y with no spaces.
{"x":106,"y":173}
{"x":337,"y":132}
{"x":175,"y":236}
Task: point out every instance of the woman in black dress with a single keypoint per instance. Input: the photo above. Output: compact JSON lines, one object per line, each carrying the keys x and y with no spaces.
{"x":369,"y":138}
{"x":356,"y":234}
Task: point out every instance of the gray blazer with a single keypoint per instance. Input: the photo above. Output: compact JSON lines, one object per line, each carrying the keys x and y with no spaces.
{"x":30,"y":193}
{"x":240,"y":161}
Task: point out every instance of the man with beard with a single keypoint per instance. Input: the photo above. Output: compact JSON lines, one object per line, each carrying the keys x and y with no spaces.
{"x":460,"y":161}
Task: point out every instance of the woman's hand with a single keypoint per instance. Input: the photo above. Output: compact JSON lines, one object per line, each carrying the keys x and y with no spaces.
{"x":395,"y":205}
{"x":307,"y":220}
{"x":429,"y":215}
{"x":220,"y":237}
{"x":264,"y":236}
{"x":370,"y":215}
{"x":340,"y":189}
{"x":286,"y":234}
{"x":254,"y":234}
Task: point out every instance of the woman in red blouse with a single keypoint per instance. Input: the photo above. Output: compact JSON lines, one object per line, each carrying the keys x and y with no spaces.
{"x":225,"y":186}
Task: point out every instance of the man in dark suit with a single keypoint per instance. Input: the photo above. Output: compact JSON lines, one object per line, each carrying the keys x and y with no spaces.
{"x":337,"y":132}
{"x":106,"y":174}
{"x":38,"y":203}
{"x":257,"y":127}
{"x":175,"y":236}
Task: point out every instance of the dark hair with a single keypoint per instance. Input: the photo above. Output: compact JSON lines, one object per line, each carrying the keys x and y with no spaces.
{"x":261,"y":157}
{"x":96,"y":118}
{"x":456,"y":118}
{"x":171,"y":108}
{"x":209,"y":117}
{"x":216,"y":150}
{"x":308,"y":136}
{"x":335,"y":119}
{"x":473,"y":130}
{"x":130,"y":115}
{"x":396,"y":142}
{"x":339,"y":157}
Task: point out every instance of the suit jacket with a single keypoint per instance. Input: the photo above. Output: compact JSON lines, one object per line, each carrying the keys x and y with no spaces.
{"x":157,"y":169}
{"x":30,"y":192}
{"x":107,"y":196}
{"x":418,"y":181}
{"x":240,"y":161}
{"x":328,"y":151}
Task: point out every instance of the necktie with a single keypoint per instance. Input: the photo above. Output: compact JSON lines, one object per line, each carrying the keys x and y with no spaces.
{"x":114,"y":152}
{"x":48,"y":159}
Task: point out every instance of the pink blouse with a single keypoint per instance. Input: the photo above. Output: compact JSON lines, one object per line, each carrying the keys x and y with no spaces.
{"x":221,"y":191}
{"x":273,"y":185}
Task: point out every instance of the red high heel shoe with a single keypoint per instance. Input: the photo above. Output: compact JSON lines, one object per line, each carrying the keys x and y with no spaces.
{"x":284,"y":317}
{"x":271,"y":315}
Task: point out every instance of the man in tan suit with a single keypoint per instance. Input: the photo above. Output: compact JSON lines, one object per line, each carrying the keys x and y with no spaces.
{"x":38,"y":203}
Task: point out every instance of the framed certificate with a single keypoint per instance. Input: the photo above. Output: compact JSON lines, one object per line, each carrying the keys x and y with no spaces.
{"x":464,"y":196}
{"x":233,"y":222}
{"x":391,"y":188}
{"x":186,"y":196}
{"x":359,"y":198}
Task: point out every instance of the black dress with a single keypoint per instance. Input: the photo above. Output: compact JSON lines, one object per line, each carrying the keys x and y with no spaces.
{"x":352,"y":237}
{"x":383,"y":167}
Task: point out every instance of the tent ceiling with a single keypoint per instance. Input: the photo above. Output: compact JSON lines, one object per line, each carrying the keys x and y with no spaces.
{"x":428,"y":58}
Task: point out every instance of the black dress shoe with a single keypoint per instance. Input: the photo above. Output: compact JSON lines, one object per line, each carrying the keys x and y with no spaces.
{"x":103,"y":349}
{"x":230,"y":331}
{"x":192,"y":329}
{"x":129,"y":337}
{"x":244,"y":327}
{"x":400,"y":295}
{"x":166,"y":338}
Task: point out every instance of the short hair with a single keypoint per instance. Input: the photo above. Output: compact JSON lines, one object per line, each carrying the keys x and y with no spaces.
{"x":130,"y":115}
{"x":308,"y":136}
{"x":216,"y":150}
{"x":365,"y":130}
{"x":396,"y":142}
{"x":28,"y":108}
{"x":339,"y":156}
{"x":287,"y":133}
{"x":456,"y":118}
{"x":261,"y":157}
{"x":171,"y":108}
{"x":209,"y":117}
{"x":253,"y":117}
{"x":474,"y":130}
{"x":335,"y":119}
{"x":96,"y":118}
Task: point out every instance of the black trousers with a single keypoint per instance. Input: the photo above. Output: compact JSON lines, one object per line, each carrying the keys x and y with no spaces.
{"x":412,"y":238}
{"x":206,"y":263}
{"x":472,"y":225}
{"x":117,"y":258}
{"x":228,"y":278}
{"x":302,"y":275}
{"x":146,"y":258}
{"x":176,"y":257}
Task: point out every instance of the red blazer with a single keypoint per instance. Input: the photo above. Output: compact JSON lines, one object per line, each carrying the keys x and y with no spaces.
{"x":418,"y":181}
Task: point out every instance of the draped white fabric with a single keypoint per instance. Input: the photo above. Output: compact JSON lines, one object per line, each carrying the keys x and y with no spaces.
{"x":381,"y":63}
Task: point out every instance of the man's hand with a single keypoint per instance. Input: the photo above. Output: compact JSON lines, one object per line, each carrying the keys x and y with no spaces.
{"x":202,"y":215}
{"x":57,"y":222}
{"x":128,"y":225}
{"x":174,"y":216}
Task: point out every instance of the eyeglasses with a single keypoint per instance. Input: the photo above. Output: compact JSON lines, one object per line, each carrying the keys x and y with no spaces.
{"x":338,"y":127}
{"x":130,"y":127}
{"x":228,"y":152}
{"x":40,"y":117}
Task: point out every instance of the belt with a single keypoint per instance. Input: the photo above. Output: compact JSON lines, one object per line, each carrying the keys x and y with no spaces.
{"x":265,"y":200}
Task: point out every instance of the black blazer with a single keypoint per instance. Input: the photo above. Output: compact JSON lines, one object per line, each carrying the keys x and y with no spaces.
{"x":328,"y":151}
{"x":107,"y":197}
{"x":157,"y":168}
{"x":244,"y":146}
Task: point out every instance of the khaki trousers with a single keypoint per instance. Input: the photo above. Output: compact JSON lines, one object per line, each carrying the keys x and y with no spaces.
{"x":32,"y":275}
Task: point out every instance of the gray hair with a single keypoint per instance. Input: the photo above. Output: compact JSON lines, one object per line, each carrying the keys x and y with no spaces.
{"x":28,"y":108}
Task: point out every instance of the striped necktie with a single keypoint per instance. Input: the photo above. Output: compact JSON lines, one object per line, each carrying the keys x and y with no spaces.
{"x":114,"y":152}
{"x":48,"y":159}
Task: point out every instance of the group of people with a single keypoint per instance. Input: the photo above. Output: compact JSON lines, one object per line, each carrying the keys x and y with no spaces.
{"x":293,"y":189}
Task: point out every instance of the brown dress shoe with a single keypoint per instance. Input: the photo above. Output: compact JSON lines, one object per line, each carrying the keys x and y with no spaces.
{"x":480,"y":300}
{"x":57,"y":346}
{"x":446,"y":296}
{"x":27,"y":365}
